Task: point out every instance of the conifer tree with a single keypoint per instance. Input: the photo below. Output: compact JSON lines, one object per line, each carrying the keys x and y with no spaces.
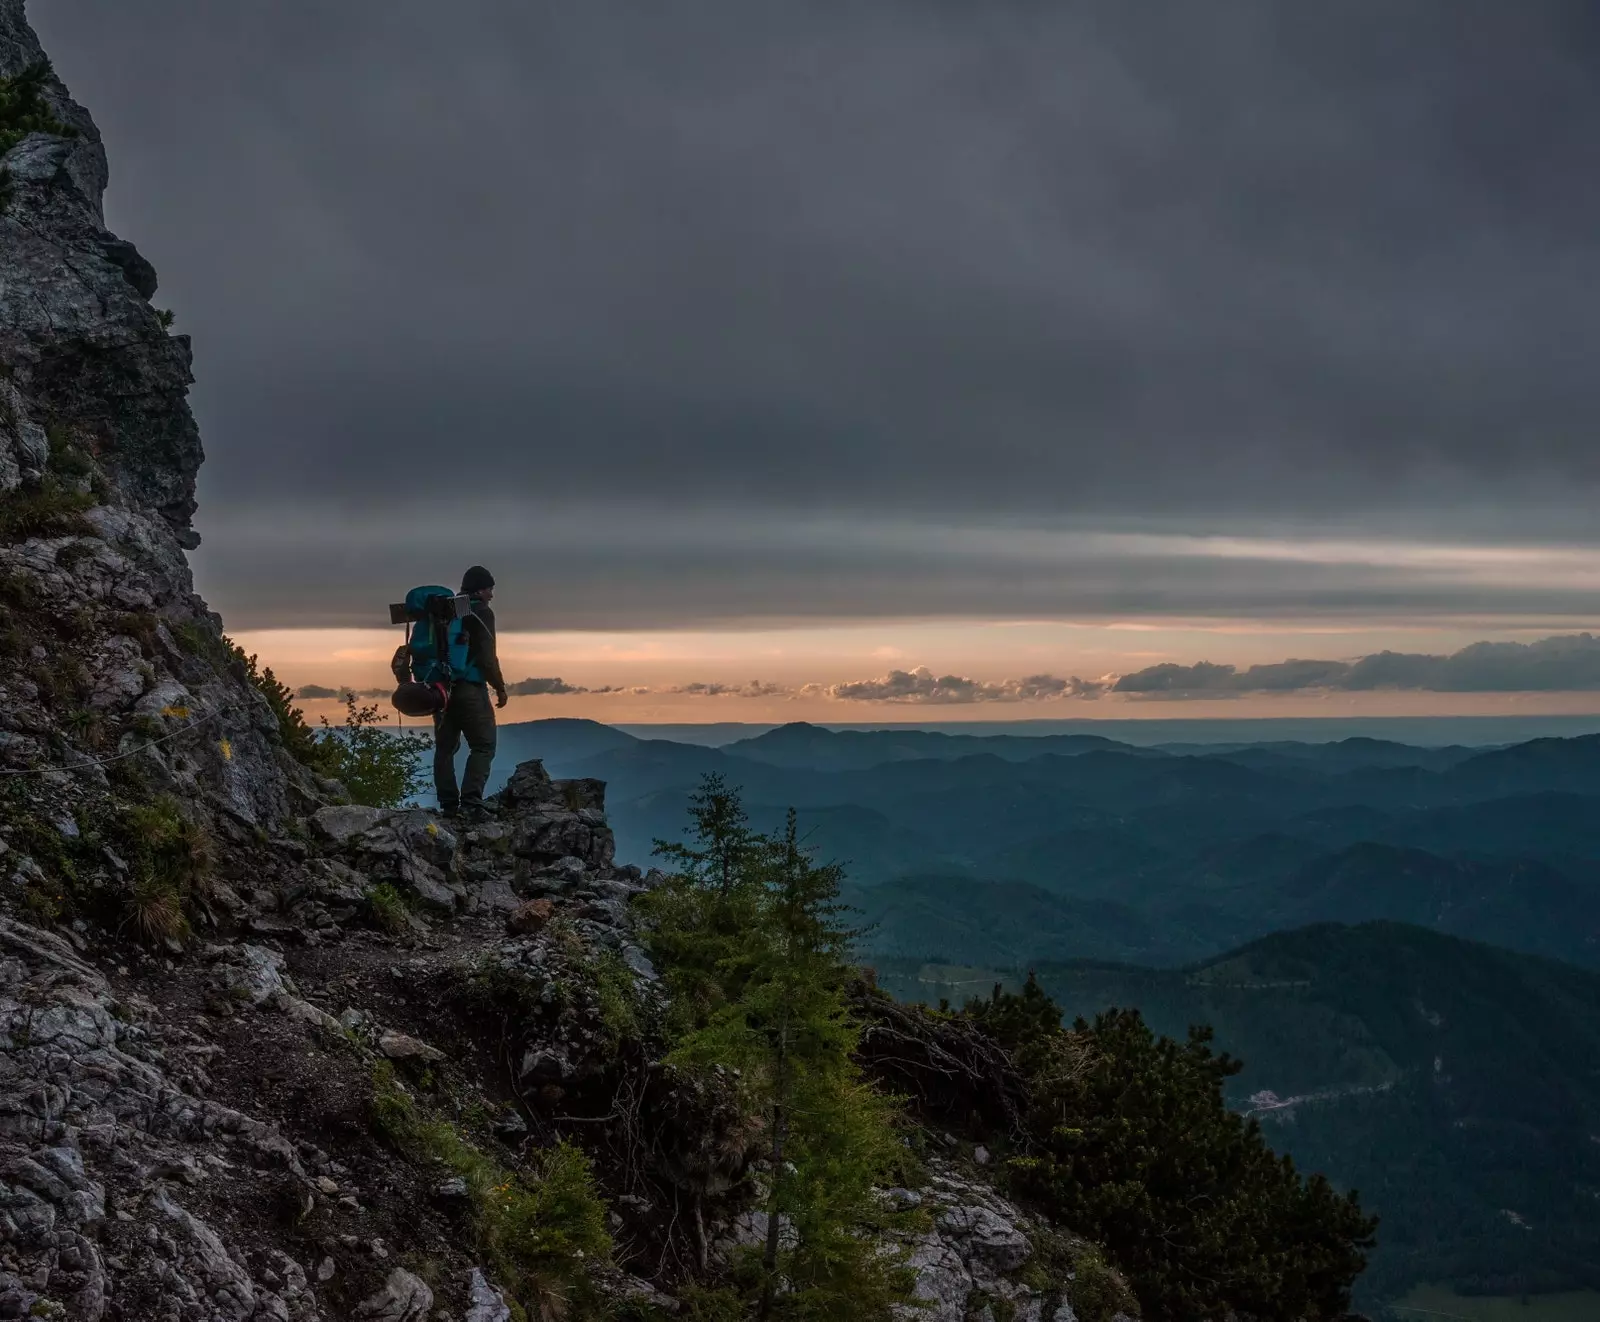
{"x":1129,"y":1141}
{"x":828,"y":1136}
{"x":722,"y":828}
{"x":700,"y":921}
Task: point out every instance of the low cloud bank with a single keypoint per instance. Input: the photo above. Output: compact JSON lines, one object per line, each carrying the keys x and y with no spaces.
{"x":921,"y":685}
{"x":1566,"y":663}
{"x":1563,"y":663}
{"x":756,"y":688}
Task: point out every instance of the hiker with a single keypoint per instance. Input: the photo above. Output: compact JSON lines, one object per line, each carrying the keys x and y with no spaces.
{"x":468,"y":712}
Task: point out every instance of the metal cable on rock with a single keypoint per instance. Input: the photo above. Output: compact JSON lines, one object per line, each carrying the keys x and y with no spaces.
{"x":132,"y":752}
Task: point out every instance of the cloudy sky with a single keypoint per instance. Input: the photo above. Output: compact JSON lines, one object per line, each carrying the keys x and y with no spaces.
{"x":802,"y":344}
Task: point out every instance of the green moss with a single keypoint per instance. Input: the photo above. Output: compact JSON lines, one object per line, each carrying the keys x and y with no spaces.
{"x":42,"y":902}
{"x":141,"y":626}
{"x":540,"y":1231}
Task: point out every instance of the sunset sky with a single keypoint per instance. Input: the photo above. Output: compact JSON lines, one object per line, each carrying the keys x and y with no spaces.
{"x":867,"y":360}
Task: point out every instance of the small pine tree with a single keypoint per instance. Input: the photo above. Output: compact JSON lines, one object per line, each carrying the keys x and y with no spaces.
{"x":827,"y":1134}
{"x":700,"y":922}
{"x":722,"y":828}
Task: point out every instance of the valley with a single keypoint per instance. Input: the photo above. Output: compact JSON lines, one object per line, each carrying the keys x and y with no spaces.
{"x":1402,"y":944}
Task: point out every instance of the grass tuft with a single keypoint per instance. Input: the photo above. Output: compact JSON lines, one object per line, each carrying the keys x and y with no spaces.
{"x":540,"y":1231}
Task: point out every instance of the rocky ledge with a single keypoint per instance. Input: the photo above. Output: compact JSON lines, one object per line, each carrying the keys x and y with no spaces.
{"x":191,"y":1135}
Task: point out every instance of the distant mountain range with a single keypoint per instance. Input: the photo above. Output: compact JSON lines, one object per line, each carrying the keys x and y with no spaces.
{"x":1361,"y":921}
{"x":1051,"y":847}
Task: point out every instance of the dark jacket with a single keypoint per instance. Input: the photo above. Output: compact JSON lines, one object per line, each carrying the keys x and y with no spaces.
{"x":479,"y":629}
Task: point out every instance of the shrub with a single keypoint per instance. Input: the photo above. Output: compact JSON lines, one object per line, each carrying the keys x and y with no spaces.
{"x":389,"y":908}
{"x":49,"y":508}
{"x":540,"y":1231}
{"x":379,"y":768}
{"x":170,"y":857}
{"x":298,"y":738}
{"x":755,"y":922}
{"x":23,"y":109}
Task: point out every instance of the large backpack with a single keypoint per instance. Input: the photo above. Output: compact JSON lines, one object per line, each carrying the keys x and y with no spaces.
{"x":438,"y":647}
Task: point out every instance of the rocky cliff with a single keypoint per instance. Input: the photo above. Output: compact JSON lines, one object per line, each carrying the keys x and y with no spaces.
{"x":268,"y":1055}
{"x":107,"y":651}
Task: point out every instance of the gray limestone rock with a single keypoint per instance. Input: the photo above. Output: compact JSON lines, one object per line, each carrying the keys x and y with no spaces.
{"x":403,"y":1298}
{"x":82,"y":349}
{"x":484,"y":1302}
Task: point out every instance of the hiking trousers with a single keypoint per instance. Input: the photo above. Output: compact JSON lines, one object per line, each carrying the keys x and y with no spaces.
{"x":469,"y":713}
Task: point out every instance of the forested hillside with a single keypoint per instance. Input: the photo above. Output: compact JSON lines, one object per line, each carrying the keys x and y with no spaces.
{"x":1457,"y":1086}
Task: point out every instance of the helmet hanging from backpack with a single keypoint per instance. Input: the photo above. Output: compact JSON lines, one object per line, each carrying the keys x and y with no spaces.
{"x":436,"y":646}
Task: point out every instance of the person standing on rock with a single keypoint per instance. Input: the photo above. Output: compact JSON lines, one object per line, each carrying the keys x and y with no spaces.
{"x":468,"y":712}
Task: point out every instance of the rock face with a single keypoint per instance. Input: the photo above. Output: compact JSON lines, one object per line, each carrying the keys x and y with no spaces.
{"x":126,"y":1191}
{"x":969,"y":1266}
{"x":107,"y":648}
{"x":82,"y":1094}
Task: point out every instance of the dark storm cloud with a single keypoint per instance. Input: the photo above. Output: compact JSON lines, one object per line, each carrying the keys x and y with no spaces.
{"x":1564,"y":664}
{"x":1222,"y":266}
{"x":555,"y":685}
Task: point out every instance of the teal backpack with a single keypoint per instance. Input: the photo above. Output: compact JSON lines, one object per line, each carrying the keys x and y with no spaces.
{"x":438,"y":645}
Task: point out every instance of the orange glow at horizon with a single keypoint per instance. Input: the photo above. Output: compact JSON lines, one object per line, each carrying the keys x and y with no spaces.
{"x":644,"y":669}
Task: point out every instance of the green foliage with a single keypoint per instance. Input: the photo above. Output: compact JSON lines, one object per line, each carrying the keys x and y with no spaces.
{"x":49,"y":508}
{"x":1355,"y":1017}
{"x":700,"y":921}
{"x":67,"y":459}
{"x":614,"y":994}
{"x":540,"y":1231}
{"x":85,"y":725}
{"x":166,"y":317}
{"x":726,"y":845}
{"x":389,"y":908}
{"x":1076,"y":1269}
{"x":23,"y":109}
{"x":170,"y":858}
{"x":768,"y":978}
{"x":1130,"y":1143}
{"x":379,"y":768}
{"x":299,"y":740}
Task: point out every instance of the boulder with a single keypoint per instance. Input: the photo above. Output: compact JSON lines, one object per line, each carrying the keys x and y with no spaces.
{"x":530,"y":917}
{"x":484,"y":1302}
{"x":403,"y":1298}
{"x":342,"y":823}
{"x":401,"y":1046}
{"x":986,"y":1236}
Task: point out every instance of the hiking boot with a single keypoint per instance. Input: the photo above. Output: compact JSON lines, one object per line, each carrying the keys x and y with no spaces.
{"x":450,"y":813}
{"x":474,"y":814}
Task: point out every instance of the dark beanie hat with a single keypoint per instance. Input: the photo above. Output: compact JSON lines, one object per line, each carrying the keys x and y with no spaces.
{"x":476,"y":579}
